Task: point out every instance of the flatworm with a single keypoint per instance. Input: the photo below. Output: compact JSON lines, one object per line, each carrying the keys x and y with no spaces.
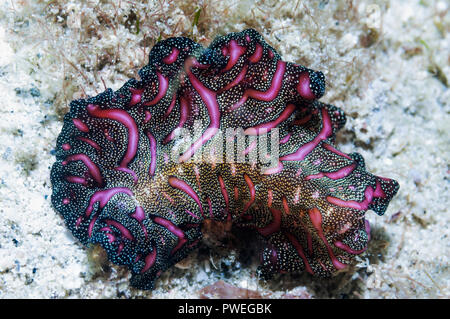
{"x":128,"y":178}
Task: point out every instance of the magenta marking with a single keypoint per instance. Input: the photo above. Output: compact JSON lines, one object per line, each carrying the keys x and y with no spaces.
{"x":274,"y":170}
{"x":172,"y":57}
{"x":303,"y":120}
{"x":184,"y":112}
{"x":149,"y":260}
{"x":303,"y":87}
{"x":184,"y":187}
{"x":378,"y":191}
{"x":171,"y":106}
{"x":208,"y":200}
{"x":66,"y":147}
{"x":224,"y":192}
{"x":174,"y":230}
{"x":250,"y":148}
{"x":80,"y":125}
{"x":236,"y":81}
{"x":90,"y":142}
{"x":152,"y":141}
{"x":267,"y":127}
{"x":209,"y":98}
{"x":274,"y":226}
{"x":76,"y":179}
{"x":363,"y":205}
{"x":252,"y":191}
{"x":300,"y":251}
{"x":125,"y":119}
{"x":346,"y":248}
{"x":330,"y":148}
{"x":136,"y":95}
{"x":235,"y":51}
{"x":119,"y":249}
{"x":103,"y":198}
{"x":307,"y":148}
{"x":268,"y":95}
{"x":285,"y":139}
{"x":123,"y":230}
{"x":316,"y":219}
{"x":341,"y":173}
{"x":91,"y":225}
{"x":148,"y":116}
{"x":129,"y":171}
{"x":106,"y":228}
{"x":192,"y":214}
{"x":111,"y":237}
{"x":256,"y":56}
{"x":66,"y":201}
{"x":224,"y":51}
{"x":367,"y":227}
{"x":163,"y":85}
{"x":93,"y":169}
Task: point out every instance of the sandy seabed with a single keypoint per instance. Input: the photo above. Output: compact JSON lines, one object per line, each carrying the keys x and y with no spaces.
{"x":387,"y":66}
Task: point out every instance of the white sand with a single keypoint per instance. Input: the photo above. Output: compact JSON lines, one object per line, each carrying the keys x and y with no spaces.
{"x":391,"y":84}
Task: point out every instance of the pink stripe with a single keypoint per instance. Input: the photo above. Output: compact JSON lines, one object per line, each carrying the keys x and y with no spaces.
{"x":184,"y":112}
{"x":76,"y":179}
{"x":256,"y":56}
{"x":209,"y":98}
{"x":236,"y":81}
{"x":103,"y":198}
{"x":129,"y":171}
{"x":330,"y":148}
{"x":269,"y":198}
{"x":303,"y":87}
{"x":235,"y":51}
{"x":346,"y":248}
{"x":148,"y":116}
{"x":152,"y":153}
{"x":208,"y":200}
{"x":90,"y":142}
{"x":224,"y":192}
{"x":341,"y":173}
{"x":139,"y":214}
{"x":92,"y":168}
{"x":250,"y":148}
{"x":285,"y":139}
{"x":300,"y":251}
{"x":378,"y":191}
{"x":172,"y":104}
{"x":125,"y":119}
{"x":136,"y":95}
{"x":183,"y":186}
{"x":252,"y":191}
{"x":80,"y":125}
{"x":123,"y":230}
{"x":274,"y":170}
{"x":316,"y":219}
{"x":267,"y":127}
{"x":363,"y":205}
{"x":325,"y":132}
{"x":274,"y":226}
{"x":163,"y":85}
{"x":174,"y":230}
{"x":192,"y":214}
{"x":149,"y":260}
{"x":172,"y":57}
{"x":268,"y":95}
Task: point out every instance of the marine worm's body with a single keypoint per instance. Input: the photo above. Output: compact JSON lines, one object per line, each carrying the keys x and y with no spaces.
{"x":125,"y":176}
